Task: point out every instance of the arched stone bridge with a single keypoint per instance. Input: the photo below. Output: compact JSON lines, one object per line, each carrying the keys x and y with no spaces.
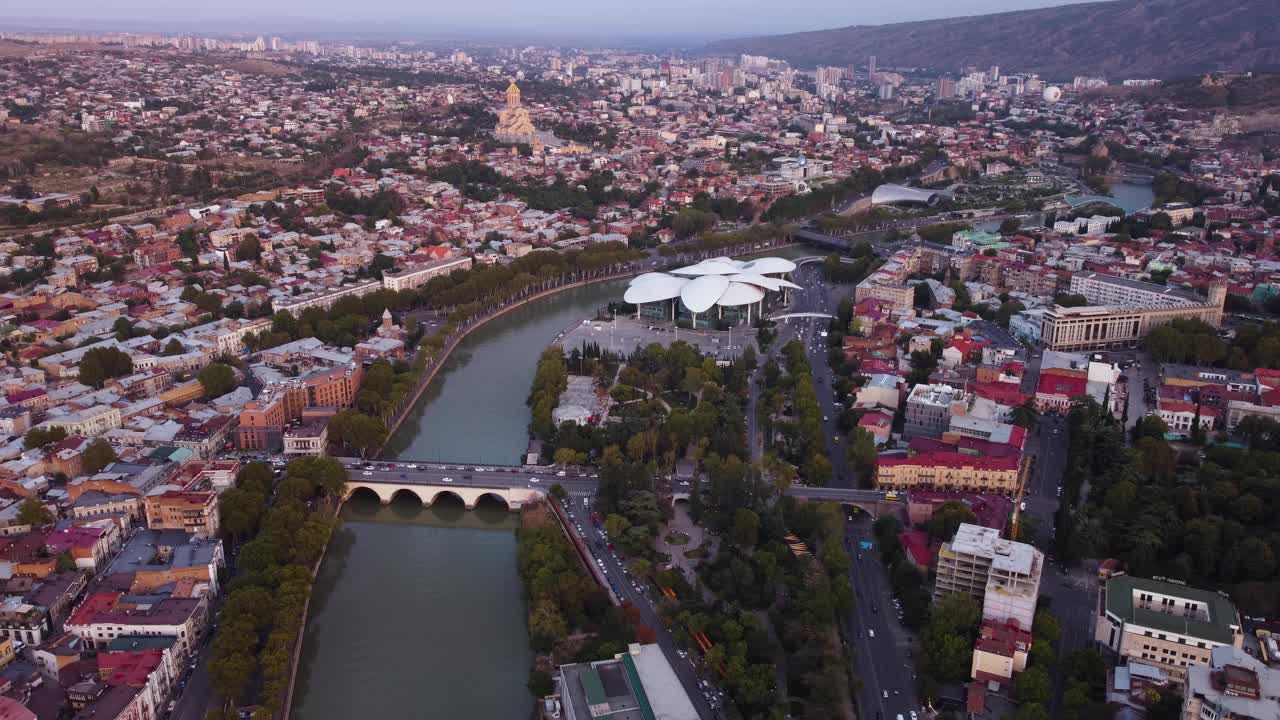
{"x":427,"y":494}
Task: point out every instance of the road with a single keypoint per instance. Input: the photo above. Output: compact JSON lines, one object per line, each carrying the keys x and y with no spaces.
{"x":193,"y":703}
{"x":626,"y":588}
{"x":814,"y":296}
{"x":882,"y":653}
{"x":484,"y":476}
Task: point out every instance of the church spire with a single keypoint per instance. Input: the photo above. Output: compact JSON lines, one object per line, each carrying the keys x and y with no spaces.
{"x":513,"y":95}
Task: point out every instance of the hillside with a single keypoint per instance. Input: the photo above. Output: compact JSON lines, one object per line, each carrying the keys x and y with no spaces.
{"x":1116,"y":40}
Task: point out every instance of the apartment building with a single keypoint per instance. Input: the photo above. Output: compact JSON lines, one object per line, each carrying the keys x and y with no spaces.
{"x":1102,"y":289}
{"x":1165,"y":625}
{"x":89,"y":422}
{"x":105,"y":616}
{"x":1001,"y":574}
{"x":1122,"y":311}
{"x":262,"y":421}
{"x":930,"y":408}
{"x":193,"y":512}
{"x":324,"y":299}
{"x":418,"y":275}
{"x":951,"y":471}
{"x":1103,"y":327}
{"x":1234,"y":685}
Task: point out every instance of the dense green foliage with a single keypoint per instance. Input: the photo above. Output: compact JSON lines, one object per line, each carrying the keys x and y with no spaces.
{"x":103,"y":363}
{"x":791,"y":417}
{"x":97,"y":456}
{"x":1192,"y":341}
{"x":1205,"y":521}
{"x":262,"y":614}
{"x":549,"y":380}
{"x":217,"y":379}
{"x":39,"y":437}
{"x":563,"y":599}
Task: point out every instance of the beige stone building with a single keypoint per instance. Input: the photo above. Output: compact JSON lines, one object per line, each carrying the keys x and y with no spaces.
{"x":1165,"y":625}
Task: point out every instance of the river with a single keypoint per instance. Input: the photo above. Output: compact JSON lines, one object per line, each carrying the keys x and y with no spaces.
{"x":1132,"y":197}
{"x":474,"y":411}
{"x":417,"y":613}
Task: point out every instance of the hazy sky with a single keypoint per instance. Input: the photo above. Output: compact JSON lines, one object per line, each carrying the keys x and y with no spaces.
{"x":581,"y":20}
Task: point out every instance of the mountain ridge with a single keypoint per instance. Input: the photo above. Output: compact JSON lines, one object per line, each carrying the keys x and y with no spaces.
{"x":1116,"y":39}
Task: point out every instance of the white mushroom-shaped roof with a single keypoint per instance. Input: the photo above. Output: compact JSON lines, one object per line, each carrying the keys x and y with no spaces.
{"x":654,"y":287}
{"x":715,"y":281}
{"x":715,"y":266}
{"x":702,"y":292}
{"x":740,"y":294}
{"x":769,"y":265}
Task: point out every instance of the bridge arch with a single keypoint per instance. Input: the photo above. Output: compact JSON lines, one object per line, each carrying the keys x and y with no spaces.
{"x":494,"y":496}
{"x":366,"y":491}
{"x":409,"y":492}
{"x":428,"y":493}
{"x":437,"y":493}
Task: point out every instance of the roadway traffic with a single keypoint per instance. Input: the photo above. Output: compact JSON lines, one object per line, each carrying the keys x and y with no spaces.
{"x":534,"y":477}
{"x":705,"y":697}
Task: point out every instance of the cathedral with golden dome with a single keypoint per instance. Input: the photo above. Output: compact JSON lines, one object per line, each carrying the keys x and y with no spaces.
{"x":514,"y":123}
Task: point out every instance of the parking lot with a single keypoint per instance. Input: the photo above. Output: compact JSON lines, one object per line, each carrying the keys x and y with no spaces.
{"x":625,"y":334}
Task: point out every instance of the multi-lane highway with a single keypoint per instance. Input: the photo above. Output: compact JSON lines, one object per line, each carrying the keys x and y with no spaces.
{"x":882,"y":646}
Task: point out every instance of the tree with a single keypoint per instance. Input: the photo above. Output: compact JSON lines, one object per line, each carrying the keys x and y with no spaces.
{"x":66,"y":563}
{"x":746,"y":529}
{"x":40,"y":437}
{"x":540,"y":683}
{"x":862,"y":455}
{"x":97,"y":456}
{"x":217,"y":379}
{"x":34,"y":513}
{"x":173,"y":347}
{"x":1033,"y":686}
{"x":1026,"y":415}
{"x":360,"y":433}
{"x":103,"y":363}
{"x":947,"y":519}
{"x":250,"y":248}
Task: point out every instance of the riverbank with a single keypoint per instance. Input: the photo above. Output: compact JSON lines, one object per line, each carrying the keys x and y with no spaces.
{"x":394,"y":445}
{"x":461,"y":334}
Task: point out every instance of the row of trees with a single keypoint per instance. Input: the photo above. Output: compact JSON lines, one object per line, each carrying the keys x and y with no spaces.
{"x":563,"y":600}
{"x":1194,"y":341}
{"x":262,"y":614}
{"x":808,"y":449}
{"x":549,"y":380}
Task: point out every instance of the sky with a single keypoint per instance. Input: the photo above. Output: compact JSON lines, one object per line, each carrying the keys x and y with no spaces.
{"x":581,"y":22}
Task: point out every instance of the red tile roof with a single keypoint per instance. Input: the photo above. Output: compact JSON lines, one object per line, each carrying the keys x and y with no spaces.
{"x":954,"y":460}
{"x":1061,"y":385}
{"x":916,"y":544}
{"x":1000,"y":392}
{"x":129,"y":667}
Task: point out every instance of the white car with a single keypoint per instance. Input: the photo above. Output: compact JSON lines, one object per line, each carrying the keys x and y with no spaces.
{"x":366,"y":473}
{"x":534,"y":480}
{"x":448,"y":479}
{"x":871,"y":633}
